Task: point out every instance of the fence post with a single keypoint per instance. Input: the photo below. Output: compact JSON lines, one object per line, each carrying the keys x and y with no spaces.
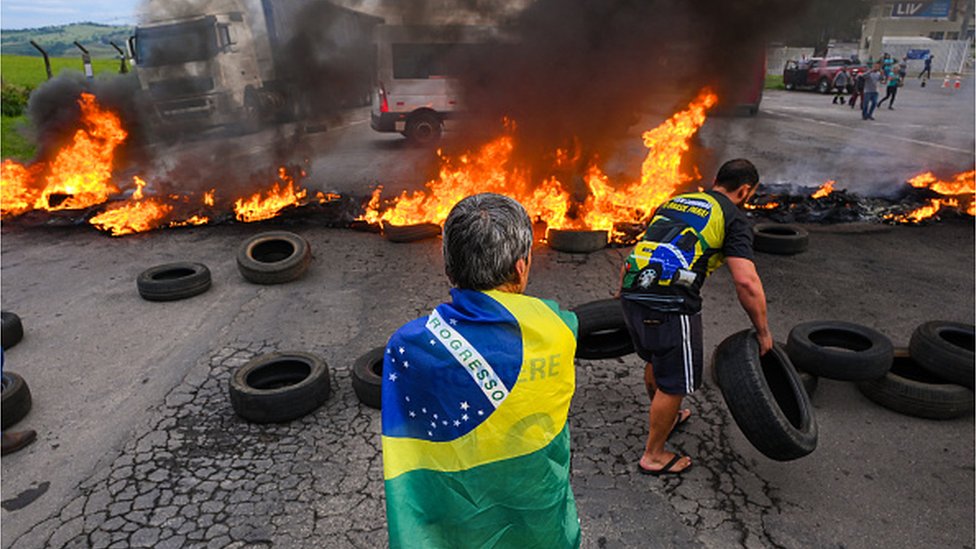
{"x":86,"y":61}
{"x":47,"y":62}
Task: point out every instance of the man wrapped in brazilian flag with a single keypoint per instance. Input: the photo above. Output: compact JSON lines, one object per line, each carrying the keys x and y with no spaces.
{"x":688,"y":237}
{"x":476,"y":397}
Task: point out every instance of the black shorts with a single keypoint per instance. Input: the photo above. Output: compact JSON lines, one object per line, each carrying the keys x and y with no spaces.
{"x":671,"y":342}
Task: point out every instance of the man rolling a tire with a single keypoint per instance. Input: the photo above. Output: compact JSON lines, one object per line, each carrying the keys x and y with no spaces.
{"x":689,"y":236}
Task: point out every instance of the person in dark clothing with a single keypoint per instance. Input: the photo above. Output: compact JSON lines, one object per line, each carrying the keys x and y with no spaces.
{"x":858,"y":90}
{"x":689,"y":236}
{"x":927,"y":71}
{"x":840,"y":85}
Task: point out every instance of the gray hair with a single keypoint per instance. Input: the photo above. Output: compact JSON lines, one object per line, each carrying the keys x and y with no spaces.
{"x":484,"y":236}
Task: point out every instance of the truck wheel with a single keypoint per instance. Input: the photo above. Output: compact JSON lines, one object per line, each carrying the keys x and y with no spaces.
{"x":823,"y":86}
{"x":274,"y":257}
{"x":16,"y":399}
{"x":423,"y":129}
{"x":279,"y":387}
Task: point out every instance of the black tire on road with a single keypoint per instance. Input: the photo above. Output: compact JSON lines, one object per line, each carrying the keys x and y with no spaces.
{"x":946,"y":350}
{"x":780,"y":238}
{"x":912,"y":390}
{"x":274,"y":257}
{"x":423,"y":129}
{"x":15,"y":401}
{"x":12,"y":329}
{"x":367,"y":378}
{"x":410,"y":233}
{"x":602,"y":330}
{"x":766,"y":397}
{"x":279,"y":387}
{"x":576,"y":242}
{"x":839,"y":350}
{"x":809,"y":380}
{"x":173,"y":281}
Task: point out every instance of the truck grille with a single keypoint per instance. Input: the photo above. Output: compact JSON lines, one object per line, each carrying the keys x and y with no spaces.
{"x":181,"y":87}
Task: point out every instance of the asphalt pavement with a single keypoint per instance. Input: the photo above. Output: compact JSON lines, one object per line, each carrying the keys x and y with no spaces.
{"x":138,"y":445}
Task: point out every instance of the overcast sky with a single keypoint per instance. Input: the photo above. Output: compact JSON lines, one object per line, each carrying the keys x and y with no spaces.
{"x":22,"y":14}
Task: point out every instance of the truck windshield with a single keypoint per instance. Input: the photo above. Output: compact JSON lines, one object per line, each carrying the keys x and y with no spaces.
{"x":176,"y":44}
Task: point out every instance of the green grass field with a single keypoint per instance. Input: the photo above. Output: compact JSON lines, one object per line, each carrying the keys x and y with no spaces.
{"x":25,"y":70}
{"x":774,"y":82}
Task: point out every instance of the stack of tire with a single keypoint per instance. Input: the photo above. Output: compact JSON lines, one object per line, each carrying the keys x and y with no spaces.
{"x":16,"y":395}
{"x":931,"y":378}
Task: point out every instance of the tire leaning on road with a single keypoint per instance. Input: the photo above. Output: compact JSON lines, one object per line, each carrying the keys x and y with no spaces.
{"x":279,"y":387}
{"x":602,"y":330}
{"x":274,"y":257}
{"x":766,"y":397}
{"x":839,"y":350}
{"x":367,"y":378}
{"x":780,"y":238}
{"x":15,"y":401}
{"x":576,"y":242}
{"x":410,"y":233}
{"x":173,"y":281}
{"x":12,"y":329}
{"x":946,"y":350}
{"x":912,"y":390}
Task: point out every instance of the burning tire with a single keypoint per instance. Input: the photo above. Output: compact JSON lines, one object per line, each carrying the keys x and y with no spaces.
{"x":15,"y":401}
{"x":411,"y":233}
{"x":367,"y":378}
{"x":423,"y":129}
{"x":274,"y":257}
{"x":912,"y":390}
{"x":839,"y":350}
{"x":12,"y":329}
{"x":602,"y":330}
{"x":946,"y":350}
{"x":577,"y":242}
{"x":173,"y":281}
{"x":279,"y":387}
{"x":766,"y":397}
{"x":778,"y":238}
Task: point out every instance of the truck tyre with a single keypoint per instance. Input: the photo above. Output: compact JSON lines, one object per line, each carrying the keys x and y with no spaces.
{"x":423,"y":129}
{"x":279,"y":387}
{"x":173,"y":281}
{"x":602,"y":330}
{"x":367,"y":377}
{"x":15,"y":400}
{"x":914,"y":391}
{"x":576,"y":242}
{"x":839,"y":350}
{"x":766,"y":397}
{"x":410,"y":233}
{"x":823,"y":86}
{"x":13,"y":329}
{"x":779,"y":238}
{"x":274,"y":257}
{"x":946,"y":350}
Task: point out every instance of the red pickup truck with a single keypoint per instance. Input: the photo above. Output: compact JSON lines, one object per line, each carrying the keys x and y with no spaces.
{"x":819,"y":72}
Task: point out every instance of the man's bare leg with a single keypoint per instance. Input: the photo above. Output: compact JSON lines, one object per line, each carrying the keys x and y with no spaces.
{"x":662,"y":416}
{"x":649,"y":382}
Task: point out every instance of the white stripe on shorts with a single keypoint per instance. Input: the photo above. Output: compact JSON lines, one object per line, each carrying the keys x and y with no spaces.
{"x":686,"y":353}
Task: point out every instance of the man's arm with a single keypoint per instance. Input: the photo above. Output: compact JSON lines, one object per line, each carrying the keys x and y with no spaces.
{"x":752,"y":297}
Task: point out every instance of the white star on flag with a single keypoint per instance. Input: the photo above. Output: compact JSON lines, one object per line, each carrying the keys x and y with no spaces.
{"x":453,"y":322}
{"x":430,"y":434}
{"x":407,"y":398}
{"x":433,"y":424}
{"x":457,"y":423}
{"x":464,"y":417}
{"x":393,"y":376}
{"x":481,"y":412}
{"x":406,"y":363}
{"x":424,"y":410}
{"x":464,"y":406}
{"x":402,"y":350}
{"x":432,"y":342}
{"x":412,"y":414}
{"x":444,"y":422}
{"x":388,"y":350}
{"x":435,"y":416}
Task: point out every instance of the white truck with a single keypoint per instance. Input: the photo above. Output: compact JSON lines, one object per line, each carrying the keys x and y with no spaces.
{"x":246,"y":62}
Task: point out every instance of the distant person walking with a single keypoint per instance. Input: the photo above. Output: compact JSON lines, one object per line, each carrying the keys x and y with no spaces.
{"x":872,"y":80}
{"x":891,"y":90}
{"x":858,"y":90}
{"x":841,"y":80}
{"x":927,"y":71}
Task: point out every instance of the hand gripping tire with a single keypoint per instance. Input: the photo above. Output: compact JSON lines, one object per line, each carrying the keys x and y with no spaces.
{"x":13,"y":330}
{"x":946,"y":350}
{"x":912,"y":390}
{"x":839,"y":350}
{"x":766,"y":397}
{"x":274,"y":257}
{"x":16,"y":399}
{"x":779,"y":238}
{"x":410,"y":233}
{"x":602,"y":330}
{"x":576,"y":242}
{"x":173,"y":281}
{"x":367,"y":377}
{"x":279,"y":387}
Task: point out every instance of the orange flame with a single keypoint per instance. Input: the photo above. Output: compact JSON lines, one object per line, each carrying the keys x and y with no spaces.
{"x":766,"y":206}
{"x":132,"y":217}
{"x":961,"y":183}
{"x":80,"y":174}
{"x":959,"y":193}
{"x":824,"y":190}
{"x":208,"y":197}
{"x":491,"y":169}
{"x":260,"y":206}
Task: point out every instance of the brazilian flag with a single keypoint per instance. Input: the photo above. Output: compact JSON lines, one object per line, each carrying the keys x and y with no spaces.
{"x":475,"y":435}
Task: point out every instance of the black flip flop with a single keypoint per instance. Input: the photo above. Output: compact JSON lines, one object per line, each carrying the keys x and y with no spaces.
{"x":666,"y":470}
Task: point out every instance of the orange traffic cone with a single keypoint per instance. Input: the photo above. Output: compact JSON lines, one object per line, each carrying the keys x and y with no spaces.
{"x":958,"y":83}
{"x":945,"y":83}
